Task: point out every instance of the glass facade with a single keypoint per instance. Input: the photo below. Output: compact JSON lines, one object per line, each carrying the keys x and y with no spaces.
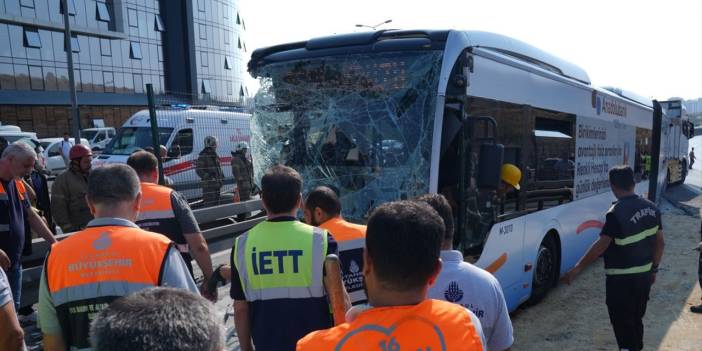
{"x":221,"y":52}
{"x":118,"y":47}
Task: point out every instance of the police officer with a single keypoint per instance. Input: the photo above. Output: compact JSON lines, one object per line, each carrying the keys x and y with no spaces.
{"x":167,"y":212}
{"x":112,"y":257}
{"x":323,"y":209}
{"x":210,"y":171}
{"x":278,"y":282}
{"x":632,"y":243}
{"x":68,"y":204}
{"x":402,"y":260}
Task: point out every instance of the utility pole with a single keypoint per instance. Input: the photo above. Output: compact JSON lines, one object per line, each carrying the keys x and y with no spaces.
{"x":75,"y":115}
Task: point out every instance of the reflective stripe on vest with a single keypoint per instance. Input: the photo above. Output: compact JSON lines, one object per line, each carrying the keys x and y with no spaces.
{"x":89,"y":269}
{"x":156,"y":213}
{"x":631,"y":270}
{"x":351,"y":244}
{"x":278,"y":260}
{"x":636,"y":237}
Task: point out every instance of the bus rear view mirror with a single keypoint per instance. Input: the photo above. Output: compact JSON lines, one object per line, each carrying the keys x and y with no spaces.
{"x":490,"y":165}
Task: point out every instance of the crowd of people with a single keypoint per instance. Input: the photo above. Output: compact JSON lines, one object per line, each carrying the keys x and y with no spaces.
{"x":124,"y":280}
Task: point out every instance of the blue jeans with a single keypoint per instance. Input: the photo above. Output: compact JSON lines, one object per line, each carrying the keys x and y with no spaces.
{"x":14,"y":276}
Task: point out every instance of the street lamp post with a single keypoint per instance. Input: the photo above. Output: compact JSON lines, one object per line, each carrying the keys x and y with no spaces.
{"x":375,"y":26}
{"x":75,"y":116}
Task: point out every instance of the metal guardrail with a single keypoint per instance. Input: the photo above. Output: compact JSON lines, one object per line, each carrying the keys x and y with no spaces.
{"x":32,"y":264}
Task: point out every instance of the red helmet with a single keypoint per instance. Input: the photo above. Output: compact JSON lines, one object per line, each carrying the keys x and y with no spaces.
{"x":79,"y":151}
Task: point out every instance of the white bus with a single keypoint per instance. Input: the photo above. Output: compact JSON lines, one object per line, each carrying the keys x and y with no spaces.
{"x":676,"y":130}
{"x":390,"y":115}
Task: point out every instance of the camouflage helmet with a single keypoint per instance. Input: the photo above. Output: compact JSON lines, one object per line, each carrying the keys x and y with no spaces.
{"x":210,"y":141}
{"x":242,"y":145}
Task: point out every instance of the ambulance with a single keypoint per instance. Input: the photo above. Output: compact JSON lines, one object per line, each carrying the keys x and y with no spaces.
{"x":182,"y":130}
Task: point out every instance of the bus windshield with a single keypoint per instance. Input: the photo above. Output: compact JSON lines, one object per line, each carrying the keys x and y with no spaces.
{"x":130,"y":139}
{"x":361,"y":124}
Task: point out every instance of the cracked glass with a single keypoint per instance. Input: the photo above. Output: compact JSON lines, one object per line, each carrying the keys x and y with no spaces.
{"x":361,"y":124}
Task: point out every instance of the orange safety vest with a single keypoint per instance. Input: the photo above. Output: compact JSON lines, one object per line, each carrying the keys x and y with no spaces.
{"x":4,"y":205}
{"x":351,"y":239}
{"x":157,"y":215}
{"x":5,"y":208}
{"x":93,"y":267}
{"x":431,"y":325}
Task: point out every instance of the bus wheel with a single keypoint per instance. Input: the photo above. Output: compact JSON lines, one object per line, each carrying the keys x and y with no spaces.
{"x":545,"y":270}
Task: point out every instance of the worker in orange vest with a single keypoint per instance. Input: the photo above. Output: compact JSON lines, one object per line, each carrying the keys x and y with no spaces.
{"x":165,"y":211}
{"x":323,"y":209}
{"x":401,"y":261}
{"x":111,"y":257}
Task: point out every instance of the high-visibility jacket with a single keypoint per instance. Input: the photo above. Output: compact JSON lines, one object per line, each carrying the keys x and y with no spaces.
{"x":5,"y":237}
{"x":90,"y":269}
{"x":632,"y":249}
{"x":280,"y":266}
{"x":430,"y":325}
{"x":351,"y":239}
{"x":157,"y":215}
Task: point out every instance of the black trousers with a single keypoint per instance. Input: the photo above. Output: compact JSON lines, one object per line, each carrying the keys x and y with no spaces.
{"x":627,"y":297}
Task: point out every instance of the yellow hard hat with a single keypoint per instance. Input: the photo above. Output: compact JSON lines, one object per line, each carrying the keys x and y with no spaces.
{"x":511,"y":175}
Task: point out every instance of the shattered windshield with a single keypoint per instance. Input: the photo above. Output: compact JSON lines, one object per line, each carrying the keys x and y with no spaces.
{"x":361,"y":124}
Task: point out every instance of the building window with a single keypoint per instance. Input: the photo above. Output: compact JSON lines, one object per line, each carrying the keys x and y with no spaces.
{"x":203,"y":59}
{"x":135,"y":51}
{"x":244,"y":44}
{"x":31,"y":38}
{"x":138,"y":83}
{"x":103,"y":13}
{"x":75,"y":44}
{"x":241,"y":92}
{"x":225,"y":11}
{"x":243,"y":24}
{"x":201,"y":5}
{"x":230,"y":87}
{"x":132,"y":18}
{"x":239,"y":43}
{"x":227,"y":65}
{"x":206,"y":86}
{"x":71,"y":7}
{"x":36,"y":78}
{"x":203,"y":31}
{"x":109,"y":80}
{"x":105,"y":47}
{"x":27,"y":3}
{"x":158,"y":24}
{"x":227,"y":34}
{"x":238,"y":19}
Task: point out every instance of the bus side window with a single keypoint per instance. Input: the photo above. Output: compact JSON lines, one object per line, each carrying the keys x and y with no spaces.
{"x":552,"y":163}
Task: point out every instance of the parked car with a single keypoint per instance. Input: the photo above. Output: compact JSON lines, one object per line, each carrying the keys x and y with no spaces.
{"x":52,"y":154}
{"x":98,"y":137}
{"x":13,"y":134}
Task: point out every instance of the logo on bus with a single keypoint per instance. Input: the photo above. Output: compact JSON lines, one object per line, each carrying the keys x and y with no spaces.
{"x":610,"y":106}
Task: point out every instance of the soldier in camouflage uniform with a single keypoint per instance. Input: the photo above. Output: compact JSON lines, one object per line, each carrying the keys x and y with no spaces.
{"x":242,"y":170}
{"x":210,"y":172}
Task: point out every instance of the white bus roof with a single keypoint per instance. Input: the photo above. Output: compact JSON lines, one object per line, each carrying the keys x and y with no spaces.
{"x":526,"y":52}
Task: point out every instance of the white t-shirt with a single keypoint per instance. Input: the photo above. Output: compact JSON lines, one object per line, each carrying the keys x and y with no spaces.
{"x":66,"y":148}
{"x":479,"y":291}
{"x":5,"y":292}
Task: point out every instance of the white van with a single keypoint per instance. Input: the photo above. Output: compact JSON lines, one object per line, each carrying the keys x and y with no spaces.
{"x":184,"y":129}
{"x":98,"y":138}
